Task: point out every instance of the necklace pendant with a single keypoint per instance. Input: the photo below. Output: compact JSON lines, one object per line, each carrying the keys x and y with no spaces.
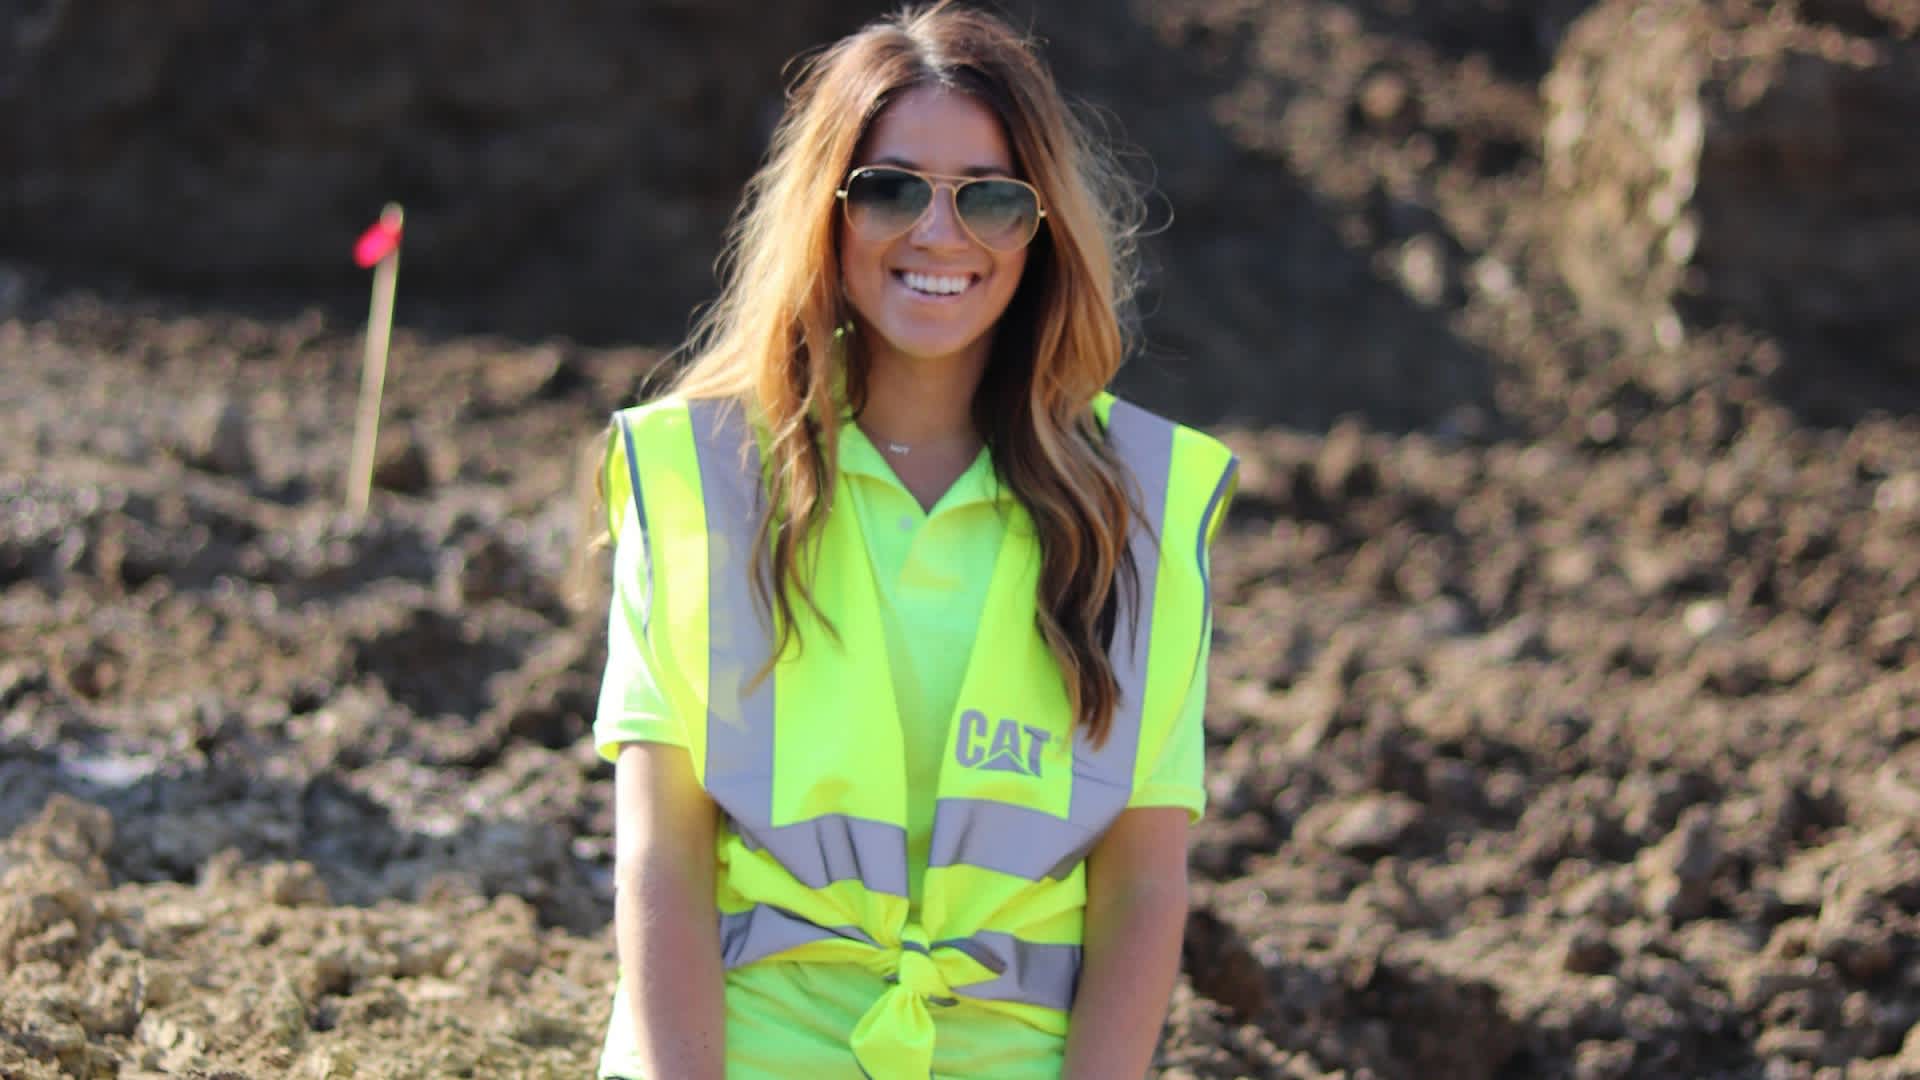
{"x":898,"y":448}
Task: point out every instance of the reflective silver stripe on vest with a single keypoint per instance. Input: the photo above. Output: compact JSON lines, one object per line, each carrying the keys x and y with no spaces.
{"x":739,"y":767}
{"x":1017,"y":840}
{"x":1034,"y":844}
{"x":837,"y":847}
{"x":1026,"y":972}
{"x":1030,"y":973}
{"x":1103,"y":778}
{"x":740,"y":719}
{"x":763,"y":930}
{"x":640,"y":518}
{"x":1200,"y":556}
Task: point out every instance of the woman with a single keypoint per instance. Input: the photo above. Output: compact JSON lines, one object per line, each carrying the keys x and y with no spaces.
{"x":909,"y":630}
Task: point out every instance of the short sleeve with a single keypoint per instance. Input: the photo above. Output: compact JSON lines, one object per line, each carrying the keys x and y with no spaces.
{"x":1178,"y":775}
{"x":632,"y":707}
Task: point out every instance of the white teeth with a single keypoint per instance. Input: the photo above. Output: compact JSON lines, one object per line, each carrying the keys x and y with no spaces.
{"x":938,"y":285}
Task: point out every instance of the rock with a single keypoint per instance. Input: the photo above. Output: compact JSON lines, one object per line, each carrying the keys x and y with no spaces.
{"x":1368,"y":827}
{"x":282,"y":1013}
{"x":1790,"y":1043}
{"x":1588,"y":952}
{"x":1222,"y":967}
{"x":1454,"y":786}
{"x":216,"y":435}
{"x":401,"y":462}
{"x":1386,"y":102}
{"x":1443,"y":1024}
{"x":1220,"y":848}
{"x":518,"y":378}
{"x":1345,"y":469}
{"x":1422,"y":268}
{"x":293,"y":885}
{"x":20,"y":677}
{"x":68,"y":831}
{"x":117,"y":994}
{"x":1754,"y":987}
{"x":1853,"y":932}
{"x":1598,"y":1059}
{"x":47,"y":912}
{"x":486,"y":566}
{"x":1676,"y":874}
{"x":1492,"y":277}
{"x":1704,"y":617}
{"x":1899,"y":495}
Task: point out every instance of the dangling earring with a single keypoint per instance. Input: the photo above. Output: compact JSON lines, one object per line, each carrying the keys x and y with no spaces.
{"x":844,"y":328}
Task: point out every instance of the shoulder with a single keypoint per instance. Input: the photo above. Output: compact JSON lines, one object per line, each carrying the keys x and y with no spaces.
{"x":673,"y":420}
{"x":639,"y":443}
{"x":1147,"y":438}
{"x":666,"y":443}
{"x":661,"y":412}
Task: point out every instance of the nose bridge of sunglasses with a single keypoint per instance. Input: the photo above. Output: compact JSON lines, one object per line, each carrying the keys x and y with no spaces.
{"x":943,"y":203}
{"x":936,"y":223}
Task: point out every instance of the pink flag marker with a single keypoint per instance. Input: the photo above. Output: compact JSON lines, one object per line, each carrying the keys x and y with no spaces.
{"x":378,"y":249}
{"x":381,"y":239}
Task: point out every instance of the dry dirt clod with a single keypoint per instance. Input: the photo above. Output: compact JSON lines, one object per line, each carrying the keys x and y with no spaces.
{"x":1371,"y":826}
{"x":217,"y":434}
{"x":1221,"y":966}
{"x":1588,"y":952}
{"x":1603,"y":1060}
{"x":1677,"y":874}
{"x":401,"y":461}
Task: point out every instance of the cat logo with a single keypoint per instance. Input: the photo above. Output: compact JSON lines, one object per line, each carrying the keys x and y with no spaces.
{"x":1014,"y":747}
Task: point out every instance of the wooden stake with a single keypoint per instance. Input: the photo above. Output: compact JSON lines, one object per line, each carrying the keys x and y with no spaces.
{"x":373,"y":371}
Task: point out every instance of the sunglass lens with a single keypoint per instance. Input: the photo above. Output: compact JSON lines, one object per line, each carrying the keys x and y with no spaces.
{"x":1003,"y":214}
{"x":886,"y":202}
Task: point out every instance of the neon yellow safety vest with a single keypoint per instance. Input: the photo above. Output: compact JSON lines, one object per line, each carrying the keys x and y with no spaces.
{"x":808,"y":764}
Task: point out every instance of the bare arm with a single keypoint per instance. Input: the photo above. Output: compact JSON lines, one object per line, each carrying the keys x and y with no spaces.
{"x":664,"y":923}
{"x":1136,"y":912}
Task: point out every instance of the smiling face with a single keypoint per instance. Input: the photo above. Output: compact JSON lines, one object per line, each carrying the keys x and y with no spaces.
{"x":933,"y":293}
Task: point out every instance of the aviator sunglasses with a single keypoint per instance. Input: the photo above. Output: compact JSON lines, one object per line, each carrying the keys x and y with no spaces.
{"x":884,"y":201}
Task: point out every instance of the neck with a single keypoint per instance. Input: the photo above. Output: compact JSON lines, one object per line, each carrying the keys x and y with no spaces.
{"x":917,"y":402}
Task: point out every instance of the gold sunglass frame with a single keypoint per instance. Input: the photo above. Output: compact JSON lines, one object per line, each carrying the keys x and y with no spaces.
{"x":952,"y":185}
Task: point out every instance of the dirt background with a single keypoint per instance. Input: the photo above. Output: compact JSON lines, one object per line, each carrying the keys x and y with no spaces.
{"x":1566,"y":706}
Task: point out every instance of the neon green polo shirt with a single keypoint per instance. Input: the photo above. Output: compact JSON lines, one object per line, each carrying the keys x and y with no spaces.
{"x":932,"y":570}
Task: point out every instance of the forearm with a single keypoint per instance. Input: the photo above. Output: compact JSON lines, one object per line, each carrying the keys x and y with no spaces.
{"x":1130,"y":957}
{"x":665,"y":928}
{"x":668,"y":942}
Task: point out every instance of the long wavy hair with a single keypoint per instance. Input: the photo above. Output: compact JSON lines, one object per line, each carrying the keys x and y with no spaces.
{"x":770,"y":341}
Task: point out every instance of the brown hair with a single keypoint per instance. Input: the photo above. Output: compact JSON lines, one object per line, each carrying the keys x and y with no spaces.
{"x":769,"y":340}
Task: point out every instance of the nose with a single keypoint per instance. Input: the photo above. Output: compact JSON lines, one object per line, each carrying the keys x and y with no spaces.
{"x":940,"y":226}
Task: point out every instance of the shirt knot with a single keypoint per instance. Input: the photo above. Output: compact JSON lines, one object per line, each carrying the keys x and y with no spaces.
{"x":919,"y":973}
